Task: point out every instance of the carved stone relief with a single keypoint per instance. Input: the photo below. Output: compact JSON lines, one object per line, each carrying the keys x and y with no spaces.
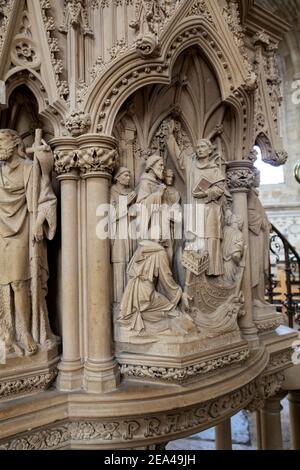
{"x":187,"y":287}
{"x":176,"y":290}
{"x":29,"y":216}
{"x":259,"y":239}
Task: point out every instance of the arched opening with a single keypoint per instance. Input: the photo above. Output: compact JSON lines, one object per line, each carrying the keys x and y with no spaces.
{"x":23,"y":116}
{"x":192,"y":100}
{"x":268,"y":174}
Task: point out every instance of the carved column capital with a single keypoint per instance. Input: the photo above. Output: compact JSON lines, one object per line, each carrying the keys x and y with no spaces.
{"x":96,"y":154}
{"x":240,"y":176}
{"x":64,"y":150}
{"x":87,"y":154}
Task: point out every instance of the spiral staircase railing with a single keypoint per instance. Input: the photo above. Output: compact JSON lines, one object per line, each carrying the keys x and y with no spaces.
{"x":283,"y":286}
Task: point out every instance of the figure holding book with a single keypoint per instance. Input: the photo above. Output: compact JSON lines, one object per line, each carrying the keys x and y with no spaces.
{"x":207,"y":198}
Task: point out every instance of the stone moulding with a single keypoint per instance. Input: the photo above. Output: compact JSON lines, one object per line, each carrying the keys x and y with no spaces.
{"x":177,"y":374}
{"x":132,"y":431}
{"x":25,"y":385}
{"x":109,"y":433}
{"x":280,"y":359}
{"x":264,"y":326}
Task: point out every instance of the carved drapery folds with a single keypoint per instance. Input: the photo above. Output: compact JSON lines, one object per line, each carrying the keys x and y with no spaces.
{"x":28,"y":219}
{"x":178,"y":296}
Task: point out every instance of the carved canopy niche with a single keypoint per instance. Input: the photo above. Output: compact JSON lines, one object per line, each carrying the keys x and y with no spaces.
{"x":192,"y":99}
{"x":22,"y":114}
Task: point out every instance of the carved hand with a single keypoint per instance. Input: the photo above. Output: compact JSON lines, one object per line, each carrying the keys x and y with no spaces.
{"x":199,"y":194}
{"x":185,"y":300}
{"x":38,"y":231}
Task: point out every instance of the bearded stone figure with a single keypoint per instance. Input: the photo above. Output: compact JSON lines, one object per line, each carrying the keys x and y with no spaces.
{"x":27,"y":218}
{"x":207,"y":196}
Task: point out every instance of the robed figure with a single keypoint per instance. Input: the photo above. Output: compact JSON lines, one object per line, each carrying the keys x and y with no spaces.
{"x":27,"y":218}
{"x":207,"y":200}
{"x":259,"y":238}
{"x":123,"y":244}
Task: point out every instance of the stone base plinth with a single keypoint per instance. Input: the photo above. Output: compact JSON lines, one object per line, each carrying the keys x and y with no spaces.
{"x":179,"y":362}
{"x":28,"y":374}
{"x":267,"y":319}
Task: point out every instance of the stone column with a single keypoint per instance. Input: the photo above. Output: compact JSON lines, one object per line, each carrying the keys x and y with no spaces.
{"x":97,"y":161}
{"x":223,"y":435}
{"x":70,"y":367}
{"x":271,"y":432}
{"x":258,"y":430}
{"x":240,"y":178}
{"x":294,"y":401}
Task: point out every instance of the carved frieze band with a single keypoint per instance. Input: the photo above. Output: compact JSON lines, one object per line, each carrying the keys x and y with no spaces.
{"x":268,"y":325}
{"x":137,"y":429}
{"x":181,"y":374}
{"x":85,"y":160}
{"x":283,"y":358}
{"x":268,"y":387}
{"x":33,"y":383}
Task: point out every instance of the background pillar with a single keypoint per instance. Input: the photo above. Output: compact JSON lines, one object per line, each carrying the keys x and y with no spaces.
{"x":294,"y":402}
{"x":97,"y":162}
{"x":223,"y":435}
{"x":271,"y":432}
{"x":239,"y":179}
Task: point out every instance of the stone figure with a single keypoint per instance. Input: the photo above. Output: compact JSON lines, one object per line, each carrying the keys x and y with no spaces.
{"x":259,"y":239}
{"x":172,"y":200}
{"x":150,"y":197}
{"x":122,"y":243}
{"x":233,"y":246}
{"x":207,"y":196}
{"x":27,"y":218}
{"x":150,"y":304}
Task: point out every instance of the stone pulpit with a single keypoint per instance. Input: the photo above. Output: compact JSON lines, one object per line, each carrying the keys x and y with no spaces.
{"x":133,"y":243}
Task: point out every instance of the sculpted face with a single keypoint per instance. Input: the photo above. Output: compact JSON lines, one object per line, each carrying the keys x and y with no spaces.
{"x":159,"y":169}
{"x":6,"y":149}
{"x":203,"y":149}
{"x":124,"y":179}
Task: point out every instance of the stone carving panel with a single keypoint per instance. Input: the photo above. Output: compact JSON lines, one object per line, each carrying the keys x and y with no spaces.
{"x":182,"y":290}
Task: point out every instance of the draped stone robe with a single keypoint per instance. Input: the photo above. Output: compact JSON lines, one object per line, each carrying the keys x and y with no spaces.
{"x":16,"y":245}
{"x":259,"y":237}
{"x":151,"y":200}
{"x":122,"y":248}
{"x":151,"y":294}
